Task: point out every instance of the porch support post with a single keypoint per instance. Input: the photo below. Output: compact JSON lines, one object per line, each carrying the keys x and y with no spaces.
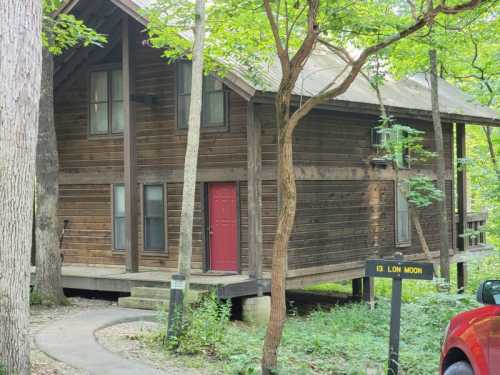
{"x":129,"y":152}
{"x":254,"y":195}
{"x":461,"y":205}
{"x":357,"y":288}
{"x":369,"y":291}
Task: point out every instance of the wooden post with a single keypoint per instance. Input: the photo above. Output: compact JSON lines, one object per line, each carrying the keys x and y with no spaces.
{"x":129,"y":152}
{"x":369,"y":291}
{"x":254,"y":195}
{"x":461,"y":205}
{"x":357,"y":288}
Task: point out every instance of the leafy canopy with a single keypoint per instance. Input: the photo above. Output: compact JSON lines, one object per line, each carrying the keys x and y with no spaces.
{"x":65,"y":31}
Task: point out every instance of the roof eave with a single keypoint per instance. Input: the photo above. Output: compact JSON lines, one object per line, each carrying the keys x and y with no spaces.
{"x":373,"y":109}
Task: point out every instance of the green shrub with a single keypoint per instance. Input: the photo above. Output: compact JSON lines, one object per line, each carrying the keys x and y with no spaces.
{"x":203,"y":327}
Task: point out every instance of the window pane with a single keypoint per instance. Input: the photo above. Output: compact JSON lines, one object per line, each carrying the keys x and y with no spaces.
{"x":119,"y":203}
{"x":154,"y":222}
{"x":98,"y":86}
{"x":119,"y":233}
{"x":212,"y":84}
{"x":214,"y":107}
{"x":403,"y":235}
{"x":154,"y":233}
{"x":117,"y":85}
{"x":184,"y":84}
{"x":119,"y":217}
{"x":117,"y":125}
{"x":153,"y":201}
{"x":403,"y":224}
{"x":99,"y":118}
{"x":183,"y":103}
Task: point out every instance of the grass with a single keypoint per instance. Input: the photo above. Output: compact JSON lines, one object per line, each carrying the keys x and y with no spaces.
{"x":350,"y":339}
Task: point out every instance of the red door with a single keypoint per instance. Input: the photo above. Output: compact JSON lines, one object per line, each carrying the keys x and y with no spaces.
{"x":223,"y":230}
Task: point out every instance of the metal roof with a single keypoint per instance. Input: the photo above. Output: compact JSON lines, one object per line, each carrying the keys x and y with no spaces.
{"x":408,"y":95}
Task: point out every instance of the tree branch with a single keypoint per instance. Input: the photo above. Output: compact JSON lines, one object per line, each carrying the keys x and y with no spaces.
{"x":307,"y":45}
{"x":282,"y":54}
{"x":357,"y":64}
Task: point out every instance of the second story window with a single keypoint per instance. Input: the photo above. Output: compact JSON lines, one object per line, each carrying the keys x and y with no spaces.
{"x":214,"y":106}
{"x":106,"y":102}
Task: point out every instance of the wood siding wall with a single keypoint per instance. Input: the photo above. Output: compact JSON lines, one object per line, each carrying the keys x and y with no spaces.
{"x":343,"y":220}
{"x":349,"y":221}
{"x":339,"y":219}
{"x":160,"y":148}
{"x":340,"y":140}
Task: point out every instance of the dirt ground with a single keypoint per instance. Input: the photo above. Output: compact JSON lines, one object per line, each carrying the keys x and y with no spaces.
{"x":41,"y":364}
{"x":121,"y":339}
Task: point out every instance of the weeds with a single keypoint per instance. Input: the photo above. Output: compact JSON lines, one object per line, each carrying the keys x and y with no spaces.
{"x":35,"y":299}
{"x":202,"y":330}
{"x":345,"y":340}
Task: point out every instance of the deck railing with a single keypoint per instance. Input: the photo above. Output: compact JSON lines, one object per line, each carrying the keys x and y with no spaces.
{"x":475,"y":235}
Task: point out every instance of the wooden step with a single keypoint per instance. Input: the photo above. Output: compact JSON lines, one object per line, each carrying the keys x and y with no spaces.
{"x":142,"y":303}
{"x":146,"y":292}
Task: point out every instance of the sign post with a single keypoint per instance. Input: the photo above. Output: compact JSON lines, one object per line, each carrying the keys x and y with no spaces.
{"x":177,"y":287}
{"x":397,"y":269}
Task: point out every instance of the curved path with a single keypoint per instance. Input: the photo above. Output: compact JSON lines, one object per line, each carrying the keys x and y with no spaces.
{"x":72,"y":341}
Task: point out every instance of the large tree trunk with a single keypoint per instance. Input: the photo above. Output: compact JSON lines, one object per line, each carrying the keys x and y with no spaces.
{"x":20,"y":65}
{"x":193,"y":141}
{"x":48,"y":254}
{"x":287,"y":202}
{"x":440,"y":170}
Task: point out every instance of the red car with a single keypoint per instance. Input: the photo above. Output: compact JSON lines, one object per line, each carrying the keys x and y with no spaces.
{"x":472,"y":339}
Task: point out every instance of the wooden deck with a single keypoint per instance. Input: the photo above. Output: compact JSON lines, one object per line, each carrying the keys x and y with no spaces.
{"x":116,"y":279}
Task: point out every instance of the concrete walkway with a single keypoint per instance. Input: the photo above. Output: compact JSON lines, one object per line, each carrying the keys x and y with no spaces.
{"x":72,"y":341}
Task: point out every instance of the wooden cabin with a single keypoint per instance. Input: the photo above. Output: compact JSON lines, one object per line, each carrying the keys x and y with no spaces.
{"x":121,"y":119}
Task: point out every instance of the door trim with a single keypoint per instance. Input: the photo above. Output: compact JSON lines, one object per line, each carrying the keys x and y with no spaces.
{"x":206,"y":224}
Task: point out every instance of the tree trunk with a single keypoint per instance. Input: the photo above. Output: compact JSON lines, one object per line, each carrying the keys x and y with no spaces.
{"x":193,"y":141}
{"x":493,"y":157}
{"x":423,"y":243}
{"x":48,"y":253}
{"x":287,"y":202}
{"x":20,"y":65}
{"x":440,"y":170}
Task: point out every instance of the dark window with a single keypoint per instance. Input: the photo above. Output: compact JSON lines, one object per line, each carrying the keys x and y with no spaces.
{"x":403,"y":230}
{"x":154,"y":217}
{"x":213,"y":112}
{"x":106,"y":102}
{"x":119,"y":217}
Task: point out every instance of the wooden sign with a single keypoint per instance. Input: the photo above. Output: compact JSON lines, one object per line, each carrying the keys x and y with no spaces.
{"x":399,"y":269}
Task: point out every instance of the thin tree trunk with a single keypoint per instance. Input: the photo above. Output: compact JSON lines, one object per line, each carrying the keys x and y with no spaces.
{"x":421,"y":237}
{"x":493,"y":157}
{"x":440,"y":170}
{"x":20,"y":65}
{"x":193,"y":141}
{"x":287,"y":201}
{"x":48,"y":283}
